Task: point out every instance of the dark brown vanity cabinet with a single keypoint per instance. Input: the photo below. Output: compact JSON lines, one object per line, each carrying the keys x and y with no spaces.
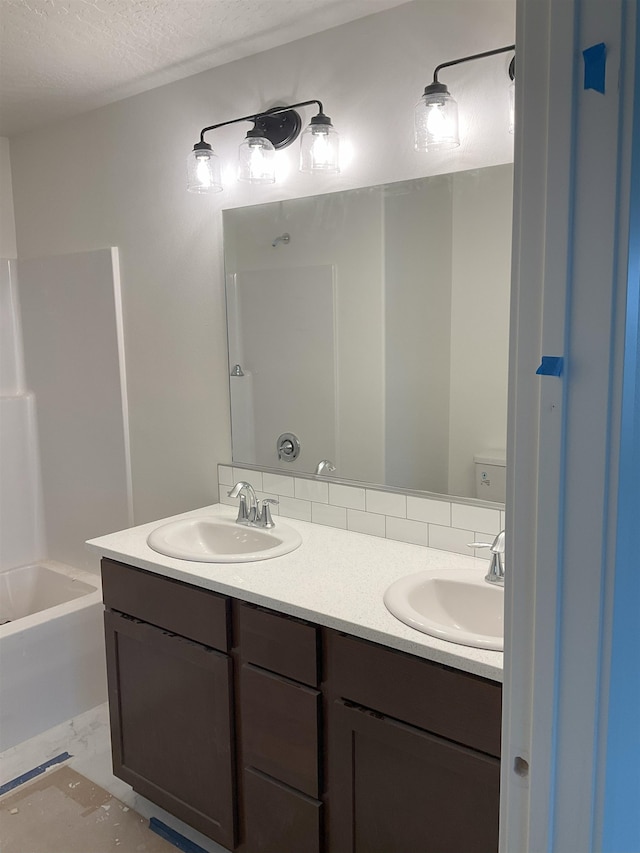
{"x":272,"y":735}
{"x":412,"y":753}
{"x":279,"y":725}
{"x":170,"y":696}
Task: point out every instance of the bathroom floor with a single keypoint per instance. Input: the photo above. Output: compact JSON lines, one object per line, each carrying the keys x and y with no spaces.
{"x":63,"y":812}
{"x":79,"y":801}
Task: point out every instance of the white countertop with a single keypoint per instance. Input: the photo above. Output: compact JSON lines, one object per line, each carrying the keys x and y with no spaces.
{"x":335,"y":578}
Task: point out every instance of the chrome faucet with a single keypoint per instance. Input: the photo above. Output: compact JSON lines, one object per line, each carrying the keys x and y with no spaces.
{"x":247,"y":512}
{"x":263,"y":517}
{"x":326,"y":465}
{"x":251,"y":511}
{"x":496,"y":566}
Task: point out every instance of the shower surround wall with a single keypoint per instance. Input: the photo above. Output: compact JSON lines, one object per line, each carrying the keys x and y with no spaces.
{"x":64,"y":461}
{"x":64,"y":476}
{"x":21,"y":524}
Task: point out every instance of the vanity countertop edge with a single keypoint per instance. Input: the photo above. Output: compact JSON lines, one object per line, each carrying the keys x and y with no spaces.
{"x":336,"y":578}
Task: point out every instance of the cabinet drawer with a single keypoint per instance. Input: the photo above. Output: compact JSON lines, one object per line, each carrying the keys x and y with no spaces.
{"x":278,"y":819}
{"x":461,"y":707}
{"x":197,"y":614}
{"x":279,"y":725}
{"x":279,"y":643}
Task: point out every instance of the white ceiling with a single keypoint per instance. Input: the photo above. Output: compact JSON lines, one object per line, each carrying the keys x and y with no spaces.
{"x":62,"y":57}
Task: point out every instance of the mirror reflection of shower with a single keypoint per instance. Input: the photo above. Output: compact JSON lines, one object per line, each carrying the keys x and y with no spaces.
{"x":379,"y":333}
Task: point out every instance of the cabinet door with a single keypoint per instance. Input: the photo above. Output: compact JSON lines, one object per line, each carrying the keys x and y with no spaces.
{"x":394,"y":789}
{"x":170,"y":708}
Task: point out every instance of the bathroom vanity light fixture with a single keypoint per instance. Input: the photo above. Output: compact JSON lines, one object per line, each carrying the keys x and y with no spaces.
{"x":436,"y":113}
{"x":272,"y":129}
{"x":512,"y":95}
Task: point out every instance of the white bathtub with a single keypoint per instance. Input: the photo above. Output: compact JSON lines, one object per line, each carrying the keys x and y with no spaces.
{"x":52,"y":662}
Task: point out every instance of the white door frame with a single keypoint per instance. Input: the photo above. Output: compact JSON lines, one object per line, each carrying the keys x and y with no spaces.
{"x":571,"y":202}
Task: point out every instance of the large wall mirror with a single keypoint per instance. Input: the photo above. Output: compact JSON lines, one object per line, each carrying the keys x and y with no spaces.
{"x":373,"y":325}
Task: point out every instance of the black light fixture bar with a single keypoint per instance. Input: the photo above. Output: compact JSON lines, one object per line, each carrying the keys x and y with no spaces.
{"x":462,"y":59}
{"x":265,"y":115}
{"x":272,"y":129}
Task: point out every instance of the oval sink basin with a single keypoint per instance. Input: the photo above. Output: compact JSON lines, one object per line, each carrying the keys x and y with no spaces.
{"x":457,"y":605}
{"x":220,"y":540}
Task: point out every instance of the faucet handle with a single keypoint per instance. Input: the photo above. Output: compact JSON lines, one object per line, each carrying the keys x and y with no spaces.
{"x":243,"y":509}
{"x":263,"y":518}
{"x":246,"y":511}
{"x":497,"y":546}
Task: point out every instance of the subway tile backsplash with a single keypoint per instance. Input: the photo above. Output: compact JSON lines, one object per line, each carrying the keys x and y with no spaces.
{"x":426,"y":509}
{"x":280,"y":484}
{"x":442,"y":524}
{"x":475,"y":518}
{"x":453,"y":539}
{"x":366,"y":522}
{"x":347,"y":496}
{"x":294,"y":508}
{"x":386,"y":503}
{"x":334,"y":516}
{"x":311,"y":490}
{"x":405,"y":530}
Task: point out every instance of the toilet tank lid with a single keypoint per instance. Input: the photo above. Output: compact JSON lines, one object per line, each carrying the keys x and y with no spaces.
{"x":491,"y":457}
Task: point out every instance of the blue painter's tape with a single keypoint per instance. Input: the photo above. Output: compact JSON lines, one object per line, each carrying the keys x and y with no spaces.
{"x":595,"y":65}
{"x":31,"y":774}
{"x":551,"y":366}
{"x":173,"y":837}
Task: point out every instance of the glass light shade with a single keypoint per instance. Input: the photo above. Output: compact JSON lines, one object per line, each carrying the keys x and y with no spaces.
{"x":512,"y":106}
{"x":203,"y":172}
{"x":256,"y":161}
{"x":319,"y":148}
{"x":436,"y":122}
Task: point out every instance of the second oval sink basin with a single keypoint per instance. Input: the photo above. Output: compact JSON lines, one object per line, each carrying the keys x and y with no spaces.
{"x":457,"y":605}
{"x":220,"y":540}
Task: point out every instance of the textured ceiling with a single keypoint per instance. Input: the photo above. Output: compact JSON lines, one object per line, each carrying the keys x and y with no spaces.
{"x":62,"y":57}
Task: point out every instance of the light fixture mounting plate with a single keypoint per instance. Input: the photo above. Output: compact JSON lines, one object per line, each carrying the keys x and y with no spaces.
{"x":281,"y":129}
